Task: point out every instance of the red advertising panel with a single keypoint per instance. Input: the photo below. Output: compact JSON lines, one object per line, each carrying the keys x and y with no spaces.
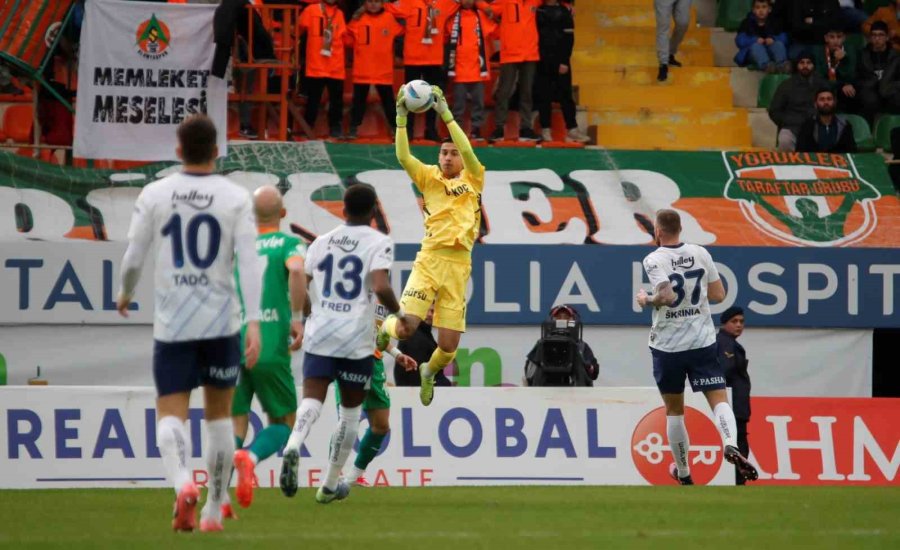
{"x":812,"y":441}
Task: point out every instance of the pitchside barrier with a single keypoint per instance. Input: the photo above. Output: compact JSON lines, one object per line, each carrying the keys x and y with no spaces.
{"x":105,"y":437}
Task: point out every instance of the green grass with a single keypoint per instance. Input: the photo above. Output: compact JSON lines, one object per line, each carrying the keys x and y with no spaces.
{"x":507,"y":518}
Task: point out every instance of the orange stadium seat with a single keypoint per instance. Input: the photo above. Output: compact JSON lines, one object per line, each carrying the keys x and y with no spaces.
{"x":18,"y":121}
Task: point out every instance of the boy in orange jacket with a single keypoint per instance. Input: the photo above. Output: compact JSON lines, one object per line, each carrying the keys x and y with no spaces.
{"x":324,"y":26}
{"x":469,"y":35}
{"x":372,"y":36}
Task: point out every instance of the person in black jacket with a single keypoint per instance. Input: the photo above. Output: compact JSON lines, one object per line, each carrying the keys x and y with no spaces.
{"x":826,"y":132}
{"x":419,"y":346}
{"x":553,"y":80}
{"x":810,"y":20}
{"x":874,"y":62}
{"x":734,"y":360}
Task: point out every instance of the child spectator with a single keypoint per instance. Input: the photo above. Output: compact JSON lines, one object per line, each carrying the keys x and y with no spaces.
{"x":372,"y":37}
{"x":762,"y":41}
{"x":874,"y":62}
{"x":810,"y":20}
{"x":891,"y":16}
{"x":324,"y":26}
{"x":556,"y":38}
{"x":837,"y":65}
{"x":423,"y":48}
{"x":469,"y":37}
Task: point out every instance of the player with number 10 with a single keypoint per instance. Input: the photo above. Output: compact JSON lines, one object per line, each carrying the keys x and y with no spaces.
{"x":202,"y":224}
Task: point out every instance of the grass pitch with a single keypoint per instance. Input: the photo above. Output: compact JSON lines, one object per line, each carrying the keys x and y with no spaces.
{"x":506,"y":518}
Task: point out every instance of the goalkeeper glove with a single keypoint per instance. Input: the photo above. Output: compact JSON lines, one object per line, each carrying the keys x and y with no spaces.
{"x":440,"y":105}
{"x":402,"y":111}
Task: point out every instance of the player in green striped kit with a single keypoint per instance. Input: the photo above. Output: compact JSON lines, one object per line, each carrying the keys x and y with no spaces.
{"x":378,"y":408}
{"x":283,"y":298}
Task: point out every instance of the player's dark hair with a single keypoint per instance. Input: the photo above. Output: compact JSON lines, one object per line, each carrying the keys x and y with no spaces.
{"x":359,"y":200}
{"x":668,"y":221}
{"x":197,"y":138}
{"x":447,"y":140}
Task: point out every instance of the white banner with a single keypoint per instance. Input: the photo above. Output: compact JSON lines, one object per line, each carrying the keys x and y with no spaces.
{"x":783,"y":362}
{"x":93,"y":437}
{"x":144,"y":68}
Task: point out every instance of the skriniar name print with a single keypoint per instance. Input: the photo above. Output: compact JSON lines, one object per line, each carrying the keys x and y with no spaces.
{"x":143,"y":109}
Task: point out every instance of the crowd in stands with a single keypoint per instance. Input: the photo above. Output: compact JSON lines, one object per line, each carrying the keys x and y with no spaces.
{"x":830,"y":72}
{"x":449,"y":43}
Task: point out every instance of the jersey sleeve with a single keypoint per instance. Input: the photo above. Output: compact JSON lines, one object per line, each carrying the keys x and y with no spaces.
{"x":711,"y":269}
{"x":384,"y":255}
{"x":250,"y":266}
{"x":140,"y":236}
{"x":654,"y":272}
{"x":310,"y":258}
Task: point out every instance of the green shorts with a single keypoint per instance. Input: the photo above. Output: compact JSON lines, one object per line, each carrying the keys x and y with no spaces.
{"x":377,"y":397}
{"x":273,"y":384}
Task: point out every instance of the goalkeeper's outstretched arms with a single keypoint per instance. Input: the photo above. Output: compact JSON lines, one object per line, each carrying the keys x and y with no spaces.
{"x":470,"y":161}
{"x":411,"y":164}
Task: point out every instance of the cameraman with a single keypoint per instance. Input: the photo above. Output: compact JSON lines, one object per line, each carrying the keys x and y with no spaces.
{"x":547,"y":363}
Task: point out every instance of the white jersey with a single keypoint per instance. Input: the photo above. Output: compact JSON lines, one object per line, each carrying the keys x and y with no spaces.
{"x":340,"y":262}
{"x":686,"y":324}
{"x":195,"y":224}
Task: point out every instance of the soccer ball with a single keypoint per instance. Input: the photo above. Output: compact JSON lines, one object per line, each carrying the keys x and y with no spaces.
{"x":418,"y":96}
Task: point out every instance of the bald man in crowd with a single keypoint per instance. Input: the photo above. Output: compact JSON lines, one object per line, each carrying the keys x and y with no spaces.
{"x":283,"y":298}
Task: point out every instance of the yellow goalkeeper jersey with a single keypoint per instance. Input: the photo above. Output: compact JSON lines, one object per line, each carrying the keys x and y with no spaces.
{"x":452,"y":206}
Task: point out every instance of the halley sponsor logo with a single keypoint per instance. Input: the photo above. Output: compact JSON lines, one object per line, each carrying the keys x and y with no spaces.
{"x":683,"y":263}
{"x":193,"y":198}
{"x":803,"y":198}
{"x":345,"y":243}
{"x":651,"y":453}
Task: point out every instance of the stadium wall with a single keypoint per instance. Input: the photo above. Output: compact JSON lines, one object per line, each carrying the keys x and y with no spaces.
{"x":105,"y":437}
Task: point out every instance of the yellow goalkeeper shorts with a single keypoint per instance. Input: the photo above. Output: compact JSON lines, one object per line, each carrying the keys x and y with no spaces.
{"x":439,"y":277}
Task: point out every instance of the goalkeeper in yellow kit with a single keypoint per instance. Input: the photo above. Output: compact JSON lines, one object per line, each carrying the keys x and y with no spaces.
{"x":452,"y":192}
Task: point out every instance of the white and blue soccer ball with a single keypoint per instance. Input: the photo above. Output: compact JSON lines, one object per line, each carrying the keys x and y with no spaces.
{"x":418,"y":96}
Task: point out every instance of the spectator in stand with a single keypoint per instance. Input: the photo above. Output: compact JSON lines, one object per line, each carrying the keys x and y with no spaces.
{"x":826,"y":132}
{"x":810,"y":20}
{"x":469,"y":39}
{"x":894,"y":169}
{"x":874,"y":62}
{"x":372,"y":36}
{"x":733,"y":359}
{"x":556,"y":38}
{"x":762,"y":41}
{"x":666,"y":47}
{"x":890,"y":86}
{"x":837,"y":65}
{"x":794,"y":101}
{"x":518,"y":61}
{"x":781,"y":15}
{"x":891,"y":16}
{"x":852,"y":15}
{"x":423,"y":48}
{"x":324,"y":27}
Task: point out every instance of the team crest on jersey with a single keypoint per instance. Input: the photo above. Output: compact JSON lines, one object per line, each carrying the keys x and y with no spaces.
{"x":805,"y":199}
{"x":153,"y":38}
